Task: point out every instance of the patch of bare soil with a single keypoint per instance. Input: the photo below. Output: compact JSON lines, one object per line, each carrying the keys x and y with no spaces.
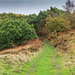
{"x":21,"y":54}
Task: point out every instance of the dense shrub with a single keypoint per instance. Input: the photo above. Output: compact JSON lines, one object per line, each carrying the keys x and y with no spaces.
{"x":57,"y":24}
{"x":42,"y":31}
{"x":39,"y":21}
{"x":15,"y":32}
{"x":71,"y":18}
{"x":57,"y":11}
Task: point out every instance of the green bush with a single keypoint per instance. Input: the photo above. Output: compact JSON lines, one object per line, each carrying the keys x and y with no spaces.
{"x":71,"y":18}
{"x":15,"y":32}
{"x":57,"y":24}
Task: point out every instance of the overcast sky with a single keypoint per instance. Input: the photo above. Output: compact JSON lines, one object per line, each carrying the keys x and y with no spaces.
{"x":29,"y":6}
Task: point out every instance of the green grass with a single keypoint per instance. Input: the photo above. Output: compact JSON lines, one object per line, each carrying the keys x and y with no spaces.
{"x":47,"y":63}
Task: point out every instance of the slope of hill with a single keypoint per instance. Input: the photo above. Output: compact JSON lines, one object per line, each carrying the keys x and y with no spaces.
{"x":65,"y":41}
{"x":48,"y":63}
{"x":65,"y":46}
{"x":13,"y":60}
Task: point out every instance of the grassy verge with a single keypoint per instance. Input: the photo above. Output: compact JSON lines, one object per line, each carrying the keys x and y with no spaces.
{"x":45,"y":63}
{"x":49,"y":64}
{"x":6,"y":67}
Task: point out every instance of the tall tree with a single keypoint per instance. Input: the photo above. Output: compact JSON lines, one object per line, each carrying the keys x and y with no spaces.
{"x":69,"y":6}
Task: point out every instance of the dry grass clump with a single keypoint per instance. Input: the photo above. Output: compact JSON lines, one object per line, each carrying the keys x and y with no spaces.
{"x":65,"y":45}
{"x":16,"y":57}
{"x":65,"y":42}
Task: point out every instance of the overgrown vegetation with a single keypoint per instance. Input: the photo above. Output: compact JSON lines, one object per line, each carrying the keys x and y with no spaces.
{"x":47,"y":60}
{"x":17,"y":29}
{"x":15,"y":32}
{"x":57,"y":24}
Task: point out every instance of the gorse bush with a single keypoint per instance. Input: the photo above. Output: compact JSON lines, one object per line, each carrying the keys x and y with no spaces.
{"x":15,"y":32}
{"x":57,"y":24}
{"x":71,"y":18}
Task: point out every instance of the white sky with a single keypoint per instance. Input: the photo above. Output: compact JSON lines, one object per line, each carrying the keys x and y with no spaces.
{"x":29,"y":6}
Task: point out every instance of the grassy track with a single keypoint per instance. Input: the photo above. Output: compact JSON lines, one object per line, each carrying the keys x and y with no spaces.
{"x":48,"y":64}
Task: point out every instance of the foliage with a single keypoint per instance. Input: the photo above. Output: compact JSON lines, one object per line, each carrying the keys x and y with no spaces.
{"x":57,"y":24}
{"x":57,"y":11}
{"x":71,"y":18}
{"x":21,"y":27}
{"x":44,"y":14}
{"x":39,"y":21}
{"x":15,"y":32}
{"x":32,"y":19}
{"x":42,"y":31}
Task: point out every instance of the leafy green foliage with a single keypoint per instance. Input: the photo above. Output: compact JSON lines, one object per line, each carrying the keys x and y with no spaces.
{"x":39,"y":20}
{"x":16,"y":28}
{"x":15,"y":32}
{"x":71,"y":18}
{"x":57,"y":11}
{"x":57,"y":24}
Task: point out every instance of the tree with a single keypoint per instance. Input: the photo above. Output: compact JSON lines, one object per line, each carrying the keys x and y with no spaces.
{"x":56,"y":11}
{"x":69,"y":6}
